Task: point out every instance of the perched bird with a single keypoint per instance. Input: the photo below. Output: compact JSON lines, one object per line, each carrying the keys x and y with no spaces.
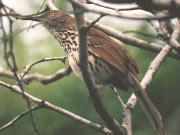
{"x":109,"y":62}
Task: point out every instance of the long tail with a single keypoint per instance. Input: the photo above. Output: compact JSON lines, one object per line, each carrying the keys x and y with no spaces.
{"x":148,"y":107}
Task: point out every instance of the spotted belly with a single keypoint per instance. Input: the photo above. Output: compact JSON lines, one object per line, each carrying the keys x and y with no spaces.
{"x":73,"y":59}
{"x":99,"y":69}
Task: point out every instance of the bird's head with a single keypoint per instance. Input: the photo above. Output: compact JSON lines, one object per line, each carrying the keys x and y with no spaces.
{"x":44,"y":17}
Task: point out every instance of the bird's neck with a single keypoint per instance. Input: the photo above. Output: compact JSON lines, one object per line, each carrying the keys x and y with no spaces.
{"x":64,"y":30}
{"x":67,"y":37}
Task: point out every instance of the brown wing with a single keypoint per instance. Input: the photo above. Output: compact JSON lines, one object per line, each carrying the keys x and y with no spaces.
{"x":109,"y":50}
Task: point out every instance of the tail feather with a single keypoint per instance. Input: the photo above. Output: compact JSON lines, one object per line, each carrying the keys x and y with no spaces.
{"x":148,"y":107}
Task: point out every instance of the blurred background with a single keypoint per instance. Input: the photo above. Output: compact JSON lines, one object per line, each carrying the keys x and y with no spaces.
{"x":70,"y":93}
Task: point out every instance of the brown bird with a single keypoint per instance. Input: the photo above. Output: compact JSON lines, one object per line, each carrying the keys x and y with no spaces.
{"x":109,"y":63}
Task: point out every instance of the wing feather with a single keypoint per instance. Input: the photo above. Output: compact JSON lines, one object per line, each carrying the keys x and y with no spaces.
{"x":109,"y":50}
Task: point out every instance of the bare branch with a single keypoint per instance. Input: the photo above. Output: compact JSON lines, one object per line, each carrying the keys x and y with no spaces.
{"x":6,"y":73}
{"x":134,"y":41}
{"x":129,"y":39}
{"x":164,"y":51}
{"x":38,"y":77}
{"x":154,"y":66}
{"x":50,"y":4}
{"x":18,"y":117}
{"x":175,"y":36}
{"x":10,"y":60}
{"x":28,"y":67}
{"x":92,"y":89}
{"x":110,"y":6}
{"x":94,"y":22}
{"x":171,"y":5}
{"x":118,"y":97}
{"x":105,"y":11}
{"x":127,"y":119}
{"x":57,"y":109}
{"x":47,"y":79}
{"x":140,"y":33}
{"x":126,"y":114}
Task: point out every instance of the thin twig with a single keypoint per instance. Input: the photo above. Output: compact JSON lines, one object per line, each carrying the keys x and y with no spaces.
{"x":118,"y":97}
{"x":94,"y":22}
{"x":109,"y":6}
{"x":57,"y":109}
{"x":18,"y":117}
{"x":47,"y":79}
{"x":13,"y":67}
{"x":18,"y":32}
{"x":28,"y":67}
{"x":140,"y":33}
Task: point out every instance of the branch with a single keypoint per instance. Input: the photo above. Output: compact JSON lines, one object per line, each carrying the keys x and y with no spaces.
{"x":154,"y":47}
{"x":47,"y":79}
{"x":126,"y":114}
{"x":39,"y":77}
{"x":175,"y":36}
{"x":124,"y":15}
{"x":110,"y":6}
{"x":171,"y":5}
{"x":50,"y":4}
{"x":92,"y":89}
{"x":18,"y":117}
{"x":36,"y":76}
{"x":143,"y":44}
{"x":135,"y":41}
{"x":140,"y":33}
{"x":28,"y":67}
{"x":10,"y":60}
{"x":154,"y":66}
{"x":57,"y":109}
{"x":6,"y":73}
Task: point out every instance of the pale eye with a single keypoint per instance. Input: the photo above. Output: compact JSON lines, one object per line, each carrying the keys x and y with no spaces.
{"x":51,"y":14}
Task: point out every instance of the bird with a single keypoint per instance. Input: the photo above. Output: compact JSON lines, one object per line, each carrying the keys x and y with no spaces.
{"x":109,"y":62}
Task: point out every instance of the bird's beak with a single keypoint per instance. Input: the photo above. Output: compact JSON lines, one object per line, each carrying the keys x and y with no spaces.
{"x":34,"y":17}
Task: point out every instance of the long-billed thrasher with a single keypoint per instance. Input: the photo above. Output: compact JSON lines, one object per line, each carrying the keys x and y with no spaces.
{"x":109,"y":62}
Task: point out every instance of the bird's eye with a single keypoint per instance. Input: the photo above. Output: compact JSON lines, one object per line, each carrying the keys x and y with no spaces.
{"x":51,"y":14}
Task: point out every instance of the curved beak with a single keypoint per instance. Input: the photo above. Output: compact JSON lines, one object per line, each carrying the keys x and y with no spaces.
{"x":35,"y":17}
